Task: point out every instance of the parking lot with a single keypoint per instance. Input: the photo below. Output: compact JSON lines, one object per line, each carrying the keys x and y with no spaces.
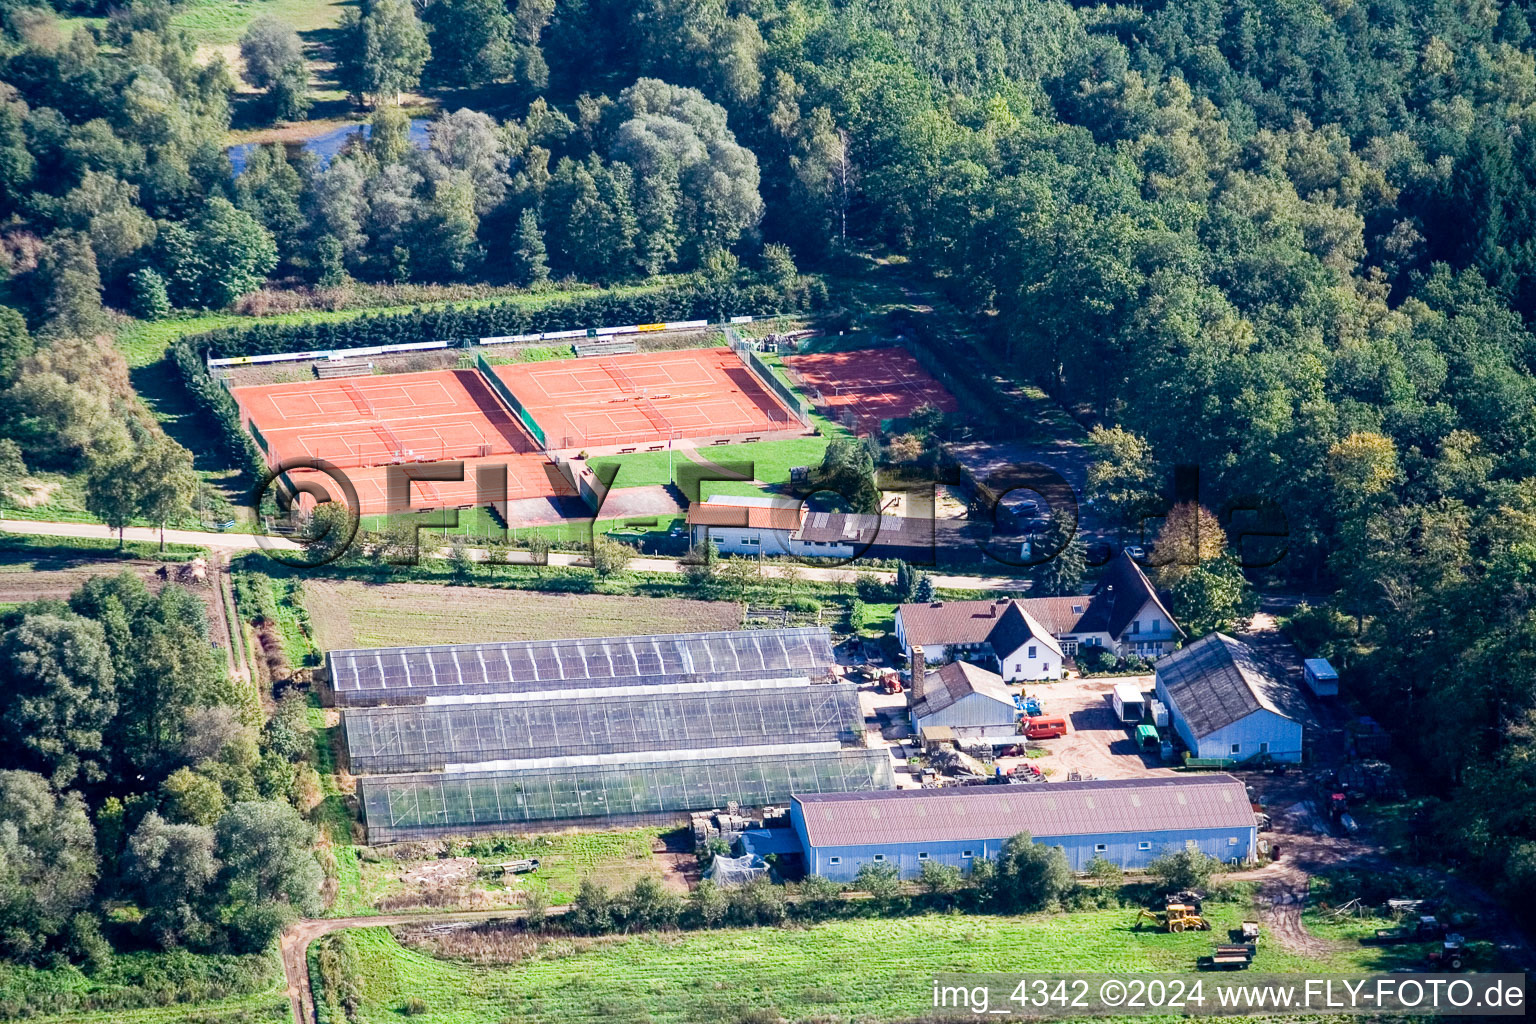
{"x":1096,"y":744}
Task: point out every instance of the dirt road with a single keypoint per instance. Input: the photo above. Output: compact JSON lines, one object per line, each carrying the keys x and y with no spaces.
{"x":295,"y":945}
{"x":249,"y":542}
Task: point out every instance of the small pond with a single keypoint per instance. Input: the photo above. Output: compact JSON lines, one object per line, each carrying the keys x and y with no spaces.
{"x":326,"y":146}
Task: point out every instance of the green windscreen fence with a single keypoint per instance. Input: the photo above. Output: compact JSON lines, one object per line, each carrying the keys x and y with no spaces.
{"x":764,"y":373}
{"x":499,"y":386}
{"x":261,"y":442}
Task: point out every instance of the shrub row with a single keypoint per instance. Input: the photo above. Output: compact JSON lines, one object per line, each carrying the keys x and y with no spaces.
{"x":219,"y":406}
{"x":498,"y":319}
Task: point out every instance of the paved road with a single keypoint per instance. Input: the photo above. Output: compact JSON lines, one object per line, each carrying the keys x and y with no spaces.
{"x":249,"y":542}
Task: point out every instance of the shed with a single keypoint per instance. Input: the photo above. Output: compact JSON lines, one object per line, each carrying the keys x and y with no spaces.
{"x":1227,"y":704}
{"x":1321,"y":678}
{"x":961,"y":694}
{"x":1128,"y":822}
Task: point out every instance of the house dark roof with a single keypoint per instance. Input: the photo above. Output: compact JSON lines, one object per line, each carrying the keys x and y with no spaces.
{"x":1218,"y":680}
{"x":1061,"y":616}
{"x":950,"y":622}
{"x":999,"y":812}
{"x":1121,"y":592}
{"x":959,"y":679}
{"x":1119,"y":595}
{"x":860,"y":529}
{"x":1015,"y":628}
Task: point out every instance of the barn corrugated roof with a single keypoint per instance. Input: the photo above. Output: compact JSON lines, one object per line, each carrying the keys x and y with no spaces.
{"x":1000,"y":812}
{"x":1218,"y":680}
{"x":959,"y":679}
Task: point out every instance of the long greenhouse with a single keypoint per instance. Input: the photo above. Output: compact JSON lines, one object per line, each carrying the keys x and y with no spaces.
{"x":432,"y":737}
{"x":590,"y":667}
{"x":402,"y":808}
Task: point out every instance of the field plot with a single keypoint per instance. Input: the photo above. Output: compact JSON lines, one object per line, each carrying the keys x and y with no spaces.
{"x":868,"y":385}
{"x":645,"y":399}
{"x":348,"y":615}
{"x":863,"y":970}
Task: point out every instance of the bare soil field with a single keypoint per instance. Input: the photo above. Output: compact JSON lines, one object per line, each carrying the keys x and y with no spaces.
{"x":347,"y":614}
{"x":24,"y":579}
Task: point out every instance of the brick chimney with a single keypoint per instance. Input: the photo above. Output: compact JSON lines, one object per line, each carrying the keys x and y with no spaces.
{"x":919,"y":671}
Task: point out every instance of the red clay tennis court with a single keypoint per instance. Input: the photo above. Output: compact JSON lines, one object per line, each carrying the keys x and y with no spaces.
{"x":528,"y":476}
{"x":371,"y":421}
{"x":645,"y":397}
{"x":364,"y":424}
{"x":869,"y":385}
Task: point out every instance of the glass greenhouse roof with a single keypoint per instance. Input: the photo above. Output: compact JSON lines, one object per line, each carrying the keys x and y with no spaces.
{"x":417,"y":738}
{"x":388,"y":674}
{"x":399,"y":808}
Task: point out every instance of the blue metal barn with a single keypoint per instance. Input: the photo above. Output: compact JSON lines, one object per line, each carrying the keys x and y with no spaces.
{"x":1128,"y":822}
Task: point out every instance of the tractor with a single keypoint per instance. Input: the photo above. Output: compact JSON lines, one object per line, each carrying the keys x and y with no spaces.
{"x":1178,"y":917}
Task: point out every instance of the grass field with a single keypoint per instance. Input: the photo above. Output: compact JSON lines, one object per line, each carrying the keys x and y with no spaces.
{"x":855,"y":971}
{"x":220,"y":22}
{"x":771,"y":461}
{"x":350,"y":614}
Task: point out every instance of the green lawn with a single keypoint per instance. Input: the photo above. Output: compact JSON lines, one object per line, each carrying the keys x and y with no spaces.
{"x":771,"y":462}
{"x":220,"y":22}
{"x":862,"y":970}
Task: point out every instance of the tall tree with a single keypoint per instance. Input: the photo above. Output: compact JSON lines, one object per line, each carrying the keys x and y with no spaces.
{"x":381,"y":51}
{"x":168,"y":483}
{"x":113,"y":491}
{"x":269,"y":871}
{"x":162,"y":663}
{"x":47,"y":864}
{"x":274,"y":63}
{"x":1066,"y":558}
{"x":72,"y":306}
{"x":60,"y":696}
{"x":530,"y":264}
{"x":171,"y":871}
{"x":223,"y":255}
{"x":471,"y":41}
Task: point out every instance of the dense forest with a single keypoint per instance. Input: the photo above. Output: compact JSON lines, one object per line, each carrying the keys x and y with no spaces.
{"x":1290,"y":242}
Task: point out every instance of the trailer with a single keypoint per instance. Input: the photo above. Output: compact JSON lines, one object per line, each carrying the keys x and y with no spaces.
{"x":1130,"y":705}
{"x":1229,"y":957}
{"x":1321,"y":678}
{"x":1426,"y":929}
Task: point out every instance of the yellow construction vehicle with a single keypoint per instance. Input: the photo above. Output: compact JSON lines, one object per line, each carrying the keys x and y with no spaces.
{"x":1177,"y":917}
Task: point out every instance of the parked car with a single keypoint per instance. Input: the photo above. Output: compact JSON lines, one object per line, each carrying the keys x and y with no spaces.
{"x":1044,"y":728}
